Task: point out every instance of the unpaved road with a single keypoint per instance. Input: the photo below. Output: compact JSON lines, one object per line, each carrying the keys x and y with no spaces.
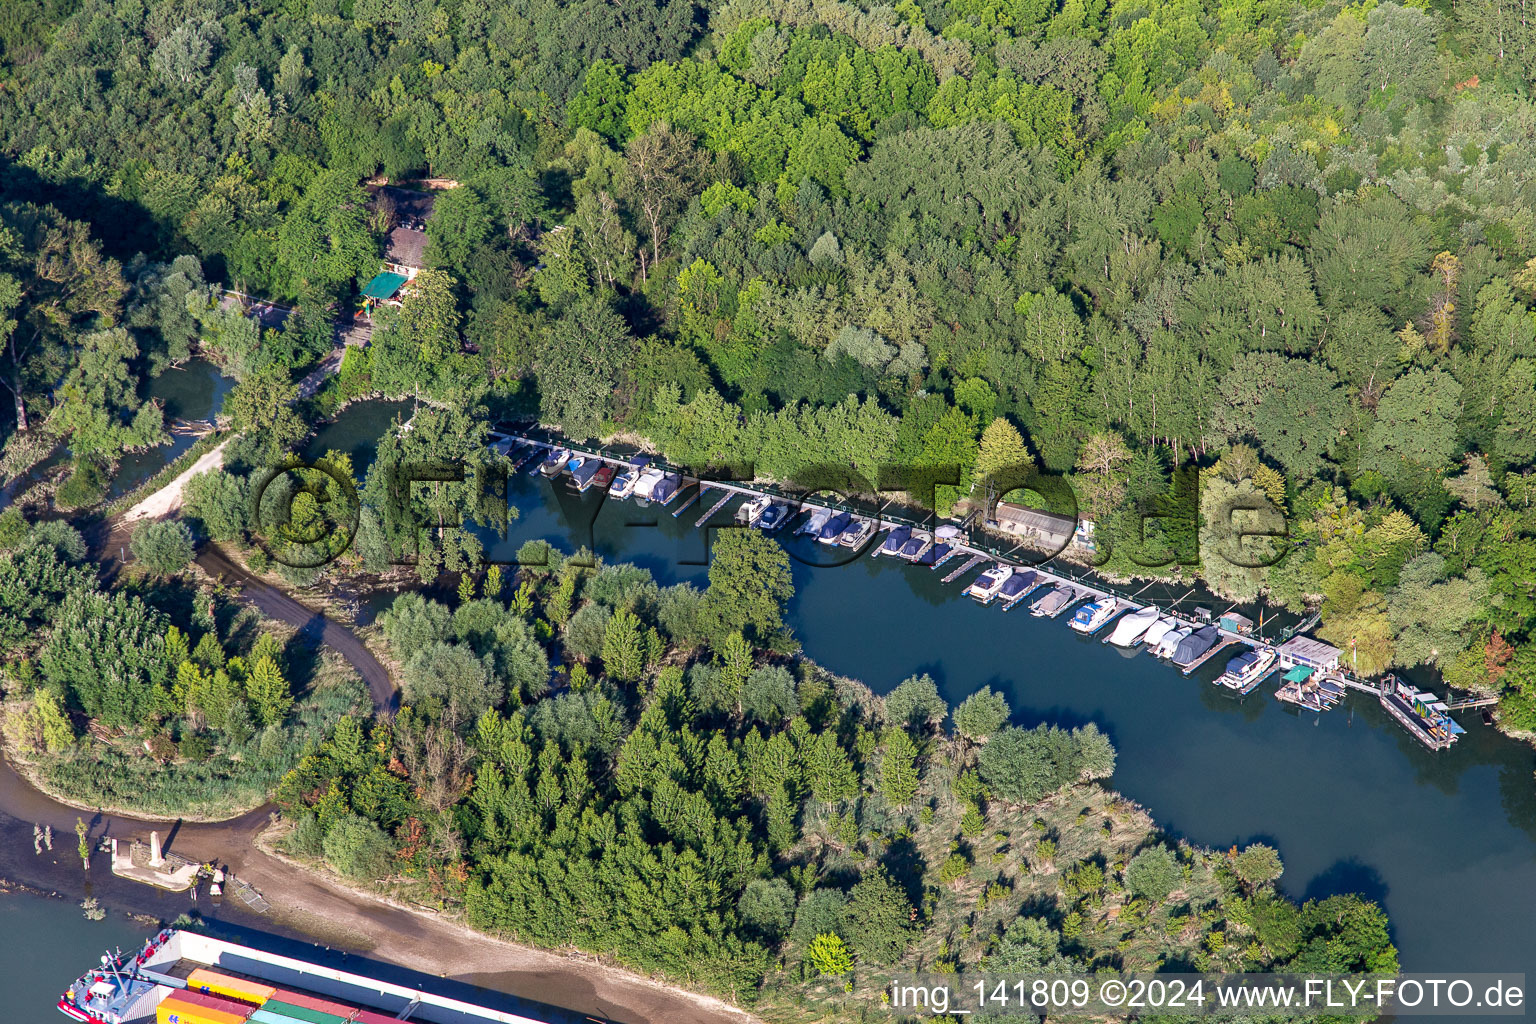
{"x":277,"y":604}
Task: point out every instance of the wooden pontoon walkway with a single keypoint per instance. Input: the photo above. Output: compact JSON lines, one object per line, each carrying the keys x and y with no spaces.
{"x":716,"y":507}
{"x":970,"y":563}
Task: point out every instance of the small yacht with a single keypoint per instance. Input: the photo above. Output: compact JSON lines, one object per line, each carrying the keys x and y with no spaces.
{"x":833,"y":528}
{"x":1171,"y":640}
{"x":1159,"y":629}
{"x":817,"y":519}
{"x":989,"y":584}
{"x":1017,"y":587}
{"x":1090,"y":618}
{"x":753,"y":510}
{"x":895,"y":540}
{"x":1053,"y":602}
{"x":1129,"y":631}
{"x":773,"y":517}
{"x":1247,"y":670}
{"x":623,"y":485}
{"x":554,"y":462}
{"x":916,"y":547}
{"x":856,"y":533}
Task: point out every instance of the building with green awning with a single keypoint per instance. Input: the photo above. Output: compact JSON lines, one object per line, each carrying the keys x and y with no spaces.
{"x":383,"y":286}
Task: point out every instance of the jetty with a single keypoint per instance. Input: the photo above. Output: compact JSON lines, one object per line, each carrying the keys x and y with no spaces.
{"x":716,"y":507}
{"x":1314,"y":677}
{"x":970,"y":563}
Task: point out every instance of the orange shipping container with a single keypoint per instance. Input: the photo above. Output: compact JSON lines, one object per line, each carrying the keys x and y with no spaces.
{"x":254,"y":992}
{"x":177,"y":1011}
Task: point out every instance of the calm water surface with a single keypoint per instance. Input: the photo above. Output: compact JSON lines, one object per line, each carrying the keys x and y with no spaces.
{"x":193,"y":391}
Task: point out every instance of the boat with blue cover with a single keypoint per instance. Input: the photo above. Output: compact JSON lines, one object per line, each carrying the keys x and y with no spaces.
{"x":894,"y":541}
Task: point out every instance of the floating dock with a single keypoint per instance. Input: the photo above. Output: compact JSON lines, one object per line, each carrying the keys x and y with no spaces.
{"x":970,"y":563}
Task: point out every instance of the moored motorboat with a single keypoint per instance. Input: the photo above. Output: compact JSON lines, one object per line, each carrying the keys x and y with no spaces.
{"x":989,"y":584}
{"x":1091,"y":617}
{"x":1129,"y":631}
{"x":1171,"y":640}
{"x":1246,"y":670}
{"x":833,"y":528}
{"x":856,"y":533}
{"x":1054,"y":602}
{"x":751,"y":511}
{"x":894,"y":540}
{"x":773,"y":517}
{"x":1159,"y":629}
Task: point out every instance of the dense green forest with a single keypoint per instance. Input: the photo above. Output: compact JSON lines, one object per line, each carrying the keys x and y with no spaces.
{"x":153,"y":694}
{"x":1287,"y":245}
{"x":695,"y":805}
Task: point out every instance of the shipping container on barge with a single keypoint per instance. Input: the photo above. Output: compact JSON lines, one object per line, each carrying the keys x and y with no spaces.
{"x":182,"y":977}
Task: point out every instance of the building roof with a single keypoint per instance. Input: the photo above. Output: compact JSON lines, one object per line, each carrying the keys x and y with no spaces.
{"x":406,"y":248}
{"x":383,"y":286}
{"x":1310,"y":651}
{"x":1033,"y":522}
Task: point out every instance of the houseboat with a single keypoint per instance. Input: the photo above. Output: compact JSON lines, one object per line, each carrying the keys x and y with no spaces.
{"x":1129,"y":631}
{"x":1247,"y":670}
{"x":1091,"y":617}
{"x":989,"y":584}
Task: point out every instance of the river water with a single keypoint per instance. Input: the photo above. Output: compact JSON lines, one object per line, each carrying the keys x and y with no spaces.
{"x":1446,"y":842}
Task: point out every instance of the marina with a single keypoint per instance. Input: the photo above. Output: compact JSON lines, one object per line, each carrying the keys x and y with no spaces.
{"x":1313,"y":679}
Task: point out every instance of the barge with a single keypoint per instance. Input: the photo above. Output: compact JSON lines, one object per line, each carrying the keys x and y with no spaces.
{"x":183,"y":977}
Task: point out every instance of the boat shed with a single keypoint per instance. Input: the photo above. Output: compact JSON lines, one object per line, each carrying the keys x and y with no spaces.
{"x":1303,"y":650}
{"x":1032,"y":524}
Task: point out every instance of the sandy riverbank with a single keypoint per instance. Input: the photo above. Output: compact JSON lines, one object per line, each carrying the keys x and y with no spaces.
{"x":310,"y":905}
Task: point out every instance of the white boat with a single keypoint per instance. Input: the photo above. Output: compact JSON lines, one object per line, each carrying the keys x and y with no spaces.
{"x":856,"y":533}
{"x":1130,"y":631}
{"x":623,"y":485}
{"x":646,"y":483}
{"x":818,"y":518}
{"x":752,"y":510}
{"x":1090,"y":618}
{"x":1159,"y":629}
{"x":1246,"y":670}
{"x":1170,"y":641}
{"x":989,"y":583}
